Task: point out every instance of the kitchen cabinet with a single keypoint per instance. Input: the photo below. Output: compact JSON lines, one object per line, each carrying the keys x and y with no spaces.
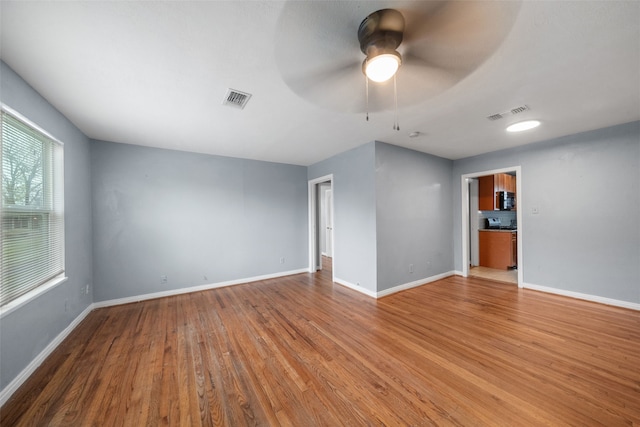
{"x":486,"y":195}
{"x":489,"y":185}
{"x":504,"y":182}
{"x":498,"y":249}
{"x":510,"y":183}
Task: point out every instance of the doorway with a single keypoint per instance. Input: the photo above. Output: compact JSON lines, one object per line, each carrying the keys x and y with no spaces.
{"x":327,"y":219}
{"x":471,"y":219}
{"x":321,"y":235}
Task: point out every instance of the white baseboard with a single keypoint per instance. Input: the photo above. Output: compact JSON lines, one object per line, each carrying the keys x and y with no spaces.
{"x":11,"y":388}
{"x":355,"y":287}
{"x":587,"y":297}
{"x":395,"y":288}
{"x":138,"y":298}
{"x":414,"y":284}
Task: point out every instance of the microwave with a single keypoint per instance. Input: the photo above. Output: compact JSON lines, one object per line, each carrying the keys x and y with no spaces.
{"x":505,"y":200}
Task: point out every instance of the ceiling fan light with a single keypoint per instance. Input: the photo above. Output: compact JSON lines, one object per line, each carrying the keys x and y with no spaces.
{"x":381,"y":68}
{"x":522,"y":126}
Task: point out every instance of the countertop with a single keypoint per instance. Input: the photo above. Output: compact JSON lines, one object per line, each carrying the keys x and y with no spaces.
{"x":498,"y":230}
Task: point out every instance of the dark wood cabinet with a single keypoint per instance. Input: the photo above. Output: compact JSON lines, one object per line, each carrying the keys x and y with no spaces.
{"x":510,"y":183}
{"x":499,"y":182}
{"x":489,"y":185}
{"x":498,"y":249}
{"x":486,"y":194}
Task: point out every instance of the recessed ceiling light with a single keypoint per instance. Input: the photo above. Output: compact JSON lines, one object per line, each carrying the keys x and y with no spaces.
{"x":522,"y":126}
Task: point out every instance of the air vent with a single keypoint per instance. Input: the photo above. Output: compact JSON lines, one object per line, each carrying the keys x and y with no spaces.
{"x":511,"y":112}
{"x":519,"y":109}
{"x":235,"y":98}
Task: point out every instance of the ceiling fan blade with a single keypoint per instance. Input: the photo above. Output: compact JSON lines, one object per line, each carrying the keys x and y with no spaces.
{"x":459,"y":35}
{"x":317,"y":52}
{"x":343,"y":89}
{"x":321,"y":85}
{"x":419,"y":81}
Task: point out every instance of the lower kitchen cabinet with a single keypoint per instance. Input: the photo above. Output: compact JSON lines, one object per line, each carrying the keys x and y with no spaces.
{"x":498,"y":249}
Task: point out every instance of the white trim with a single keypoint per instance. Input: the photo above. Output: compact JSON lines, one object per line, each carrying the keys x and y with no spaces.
{"x":25,"y":120}
{"x":180,"y":291}
{"x":11,"y":388}
{"x":313,"y":221}
{"x":464,"y":190}
{"x":587,"y":297}
{"x":395,"y":289}
{"x":34,"y":293}
{"x":415,"y":284}
{"x":360,"y":289}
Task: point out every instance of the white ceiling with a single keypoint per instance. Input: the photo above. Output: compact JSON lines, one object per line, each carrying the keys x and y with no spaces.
{"x":155,"y":73}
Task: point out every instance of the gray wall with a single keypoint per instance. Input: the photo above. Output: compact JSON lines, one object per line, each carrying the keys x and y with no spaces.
{"x":392,"y":208}
{"x":354,"y":210}
{"x":25,"y":332}
{"x":413,"y":213}
{"x":586,"y":237}
{"x":189,"y":216}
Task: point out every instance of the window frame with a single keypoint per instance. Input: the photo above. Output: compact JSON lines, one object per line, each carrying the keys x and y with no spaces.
{"x":57,"y":191}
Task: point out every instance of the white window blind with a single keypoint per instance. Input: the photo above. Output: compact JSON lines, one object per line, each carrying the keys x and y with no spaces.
{"x":32,"y":238}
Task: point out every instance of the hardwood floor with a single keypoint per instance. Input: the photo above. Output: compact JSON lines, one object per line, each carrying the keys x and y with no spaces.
{"x":301,"y":351}
{"x":509,"y":276}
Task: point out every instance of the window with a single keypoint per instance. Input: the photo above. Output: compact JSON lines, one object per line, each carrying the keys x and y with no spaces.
{"x":32,"y":226}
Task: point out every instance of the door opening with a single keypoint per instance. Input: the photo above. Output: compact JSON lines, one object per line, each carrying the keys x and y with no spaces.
{"x":327,"y":214}
{"x":321,"y":235}
{"x":473,"y":218}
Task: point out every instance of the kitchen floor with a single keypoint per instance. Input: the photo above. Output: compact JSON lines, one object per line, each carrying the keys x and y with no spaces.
{"x":509,"y":276}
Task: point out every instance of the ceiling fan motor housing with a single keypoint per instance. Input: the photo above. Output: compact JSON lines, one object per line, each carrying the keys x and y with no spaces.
{"x":381,"y":32}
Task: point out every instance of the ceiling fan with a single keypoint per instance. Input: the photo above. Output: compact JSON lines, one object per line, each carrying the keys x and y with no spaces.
{"x":379,"y":35}
{"x":431,"y":45}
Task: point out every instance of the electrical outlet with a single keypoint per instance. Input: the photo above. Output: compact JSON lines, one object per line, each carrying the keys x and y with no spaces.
{"x":282,"y":260}
{"x":86,"y":289}
{"x":163,"y":279}
{"x":410,"y":268}
{"x":204,"y":278}
{"x":66,"y":305}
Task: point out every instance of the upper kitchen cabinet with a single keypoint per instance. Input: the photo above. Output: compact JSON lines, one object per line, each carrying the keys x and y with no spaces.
{"x":489,"y":185}
{"x":504,"y":182}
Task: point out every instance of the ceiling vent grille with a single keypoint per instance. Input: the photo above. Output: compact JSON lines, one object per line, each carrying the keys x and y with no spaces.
{"x":235,"y":98}
{"x":511,"y":112}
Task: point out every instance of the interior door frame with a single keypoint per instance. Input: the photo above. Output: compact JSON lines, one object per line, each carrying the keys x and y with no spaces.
{"x":314,"y":250}
{"x":464,"y":182}
{"x":328,"y":204}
